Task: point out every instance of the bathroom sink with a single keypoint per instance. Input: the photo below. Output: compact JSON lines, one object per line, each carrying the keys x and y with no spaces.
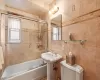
{"x":51,"y":57}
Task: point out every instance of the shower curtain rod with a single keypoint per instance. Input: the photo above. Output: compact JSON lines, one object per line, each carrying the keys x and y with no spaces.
{"x":21,"y":16}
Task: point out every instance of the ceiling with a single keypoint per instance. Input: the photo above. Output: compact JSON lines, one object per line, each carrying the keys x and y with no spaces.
{"x":38,"y":7}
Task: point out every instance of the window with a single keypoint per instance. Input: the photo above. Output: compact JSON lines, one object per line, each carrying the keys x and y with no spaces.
{"x":13,"y":30}
{"x":56,"y":32}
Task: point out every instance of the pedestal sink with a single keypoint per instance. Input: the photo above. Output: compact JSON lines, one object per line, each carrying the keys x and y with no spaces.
{"x":50,"y":58}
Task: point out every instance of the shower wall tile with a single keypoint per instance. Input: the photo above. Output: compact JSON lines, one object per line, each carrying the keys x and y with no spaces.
{"x":25,"y":36}
{"x":27,"y":49}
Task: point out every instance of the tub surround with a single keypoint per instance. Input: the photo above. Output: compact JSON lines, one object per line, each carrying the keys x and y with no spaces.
{"x":28,"y":48}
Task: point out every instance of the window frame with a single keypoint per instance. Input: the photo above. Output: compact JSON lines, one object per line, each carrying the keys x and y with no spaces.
{"x":58,"y":35}
{"x":13,"y":29}
{"x":55,"y":34}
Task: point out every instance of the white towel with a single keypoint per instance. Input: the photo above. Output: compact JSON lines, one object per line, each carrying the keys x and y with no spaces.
{"x":1,"y":57}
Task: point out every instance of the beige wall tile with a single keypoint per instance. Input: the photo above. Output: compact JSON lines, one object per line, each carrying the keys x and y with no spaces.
{"x":28,"y":48}
{"x":87,"y":6}
{"x":86,"y":55}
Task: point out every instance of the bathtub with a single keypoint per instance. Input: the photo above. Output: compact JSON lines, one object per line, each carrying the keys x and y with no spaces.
{"x":31,"y":70}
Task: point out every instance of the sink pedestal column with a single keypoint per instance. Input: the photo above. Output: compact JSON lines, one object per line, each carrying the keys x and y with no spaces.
{"x":50,"y":72}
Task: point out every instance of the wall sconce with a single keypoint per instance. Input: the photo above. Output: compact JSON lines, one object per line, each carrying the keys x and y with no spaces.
{"x":54,"y":10}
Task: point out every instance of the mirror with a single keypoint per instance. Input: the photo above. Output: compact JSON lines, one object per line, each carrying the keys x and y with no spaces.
{"x":56,"y":24}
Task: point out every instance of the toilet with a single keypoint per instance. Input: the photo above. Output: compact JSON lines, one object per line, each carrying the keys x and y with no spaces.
{"x":69,"y":72}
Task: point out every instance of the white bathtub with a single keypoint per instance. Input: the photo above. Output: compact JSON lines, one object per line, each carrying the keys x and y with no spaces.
{"x":31,"y":70}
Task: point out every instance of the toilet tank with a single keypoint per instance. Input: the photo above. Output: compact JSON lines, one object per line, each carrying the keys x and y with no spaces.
{"x":69,"y":72}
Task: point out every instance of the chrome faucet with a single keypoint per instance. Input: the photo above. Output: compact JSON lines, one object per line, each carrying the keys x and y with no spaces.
{"x":53,"y":53}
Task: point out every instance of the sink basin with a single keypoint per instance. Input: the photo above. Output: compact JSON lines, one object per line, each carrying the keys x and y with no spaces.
{"x":51,"y":57}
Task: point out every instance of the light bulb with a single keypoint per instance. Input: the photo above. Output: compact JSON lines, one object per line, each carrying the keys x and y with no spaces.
{"x":55,"y":8}
{"x":50,"y":12}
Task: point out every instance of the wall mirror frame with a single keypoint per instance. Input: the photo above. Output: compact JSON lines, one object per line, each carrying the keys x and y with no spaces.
{"x":56,"y":28}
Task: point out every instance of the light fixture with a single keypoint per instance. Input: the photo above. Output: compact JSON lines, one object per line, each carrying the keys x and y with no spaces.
{"x":54,"y":10}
